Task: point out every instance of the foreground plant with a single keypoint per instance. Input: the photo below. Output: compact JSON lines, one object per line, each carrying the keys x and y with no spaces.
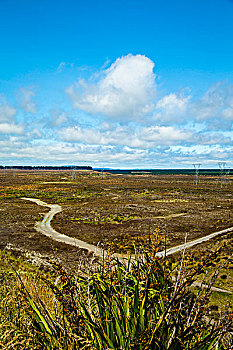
{"x":127,"y":304}
{"x":17,"y":328}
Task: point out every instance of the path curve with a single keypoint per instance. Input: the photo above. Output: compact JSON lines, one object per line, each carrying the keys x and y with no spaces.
{"x":45,"y":228}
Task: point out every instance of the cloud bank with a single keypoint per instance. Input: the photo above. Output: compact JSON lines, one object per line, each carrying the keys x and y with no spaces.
{"x":121,"y":116}
{"x":126,"y":90}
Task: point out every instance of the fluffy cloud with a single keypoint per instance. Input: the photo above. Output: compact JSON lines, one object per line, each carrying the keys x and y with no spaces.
{"x":35,"y":133}
{"x":58,"y":118}
{"x":228,"y":113}
{"x":6,"y":128}
{"x":173,"y":102}
{"x":63,"y":153}
{"x":165,"y":135}
{"x":139,"y":129}
{"x":6,"y":113}
{"x":26,"y":101}
{"x":172,"y":108}
{"x":215,"y":104}
{"x":144,"y":137}
{"x":117,"y":136}
{"x":126,"y":90}
{"x":58,"y":152}
{"x":8,"y":125}
{"x":214,"y":108}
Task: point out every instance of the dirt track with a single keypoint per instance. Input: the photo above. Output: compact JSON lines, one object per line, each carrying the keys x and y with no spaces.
{"x":45,"y":228}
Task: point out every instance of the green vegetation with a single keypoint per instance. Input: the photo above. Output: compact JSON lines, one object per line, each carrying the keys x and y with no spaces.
{"x":101,"y":219}
{"x":138,"y":304}
{"x":54,"y":196}
{"x":16,"y":325}
{"x":143,"y":304}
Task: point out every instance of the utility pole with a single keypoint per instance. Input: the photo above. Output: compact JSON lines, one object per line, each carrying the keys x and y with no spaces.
{"x":221,"y":166}
{"x":73,"y":175}
{"x":197,"y":168}
{"x":227,"y":173}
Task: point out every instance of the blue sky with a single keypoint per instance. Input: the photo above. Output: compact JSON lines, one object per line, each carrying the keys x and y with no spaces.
{"x":131,"y":84}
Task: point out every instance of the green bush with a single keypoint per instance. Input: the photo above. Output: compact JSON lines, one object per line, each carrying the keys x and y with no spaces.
{"x":141,"y":303}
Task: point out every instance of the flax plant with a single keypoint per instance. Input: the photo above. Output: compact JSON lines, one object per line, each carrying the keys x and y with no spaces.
{"x":137,"y":303}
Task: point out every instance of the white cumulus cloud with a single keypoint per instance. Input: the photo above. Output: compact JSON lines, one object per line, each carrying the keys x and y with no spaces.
{"x":126,"y":90}
{"x":6,"y":113}
{"x":144,"y":137}
{"x":165,"y":135}
{"x":6,"y":128}
{"x":116,"y":136}
{"x":26,"y":101}
{"x":58,"y":118}
{"x":173,"y":102}
{"x":228,"y":113}
{"x":216,"y":103}
{"x":172,"y":108}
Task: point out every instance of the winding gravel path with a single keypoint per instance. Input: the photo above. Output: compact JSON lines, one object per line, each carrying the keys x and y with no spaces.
{"x":186,"y":245}
{"x":45,"y":228}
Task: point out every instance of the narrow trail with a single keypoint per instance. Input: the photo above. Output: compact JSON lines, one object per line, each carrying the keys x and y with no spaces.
{"x":186,"y":245}
{"x":45,"y":228}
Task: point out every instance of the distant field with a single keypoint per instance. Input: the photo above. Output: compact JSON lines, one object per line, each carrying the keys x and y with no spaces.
{"x":212,"y":172}
{"x":102,"y":208}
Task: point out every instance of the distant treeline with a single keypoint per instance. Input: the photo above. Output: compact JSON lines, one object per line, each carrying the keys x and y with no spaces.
{"x":30,"y":167}
{"x":168,"y":171}
{"x":123,"y":171}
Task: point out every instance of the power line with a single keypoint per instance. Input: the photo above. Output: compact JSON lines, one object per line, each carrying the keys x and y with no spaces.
{"x":197,"y":168}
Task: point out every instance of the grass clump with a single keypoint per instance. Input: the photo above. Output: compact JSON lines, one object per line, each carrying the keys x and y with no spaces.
{"x":138,"y":303}
{"x":17,"y":326}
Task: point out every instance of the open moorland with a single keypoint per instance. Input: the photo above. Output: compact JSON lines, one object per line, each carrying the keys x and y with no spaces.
{"x":121,"y":210}
{"x":48,"y":287}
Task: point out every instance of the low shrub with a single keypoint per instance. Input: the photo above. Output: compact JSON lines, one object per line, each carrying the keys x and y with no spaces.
{"x":139,"y":303}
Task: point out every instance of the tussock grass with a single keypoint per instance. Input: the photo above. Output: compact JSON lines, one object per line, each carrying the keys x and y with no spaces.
{"x":133,"y":304}
{"x":16,"y":325}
